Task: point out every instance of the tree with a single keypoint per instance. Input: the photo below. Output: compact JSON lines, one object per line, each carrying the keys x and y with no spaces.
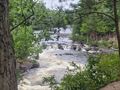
{"x":106,"y":9}
{"x":7,"y":58}
{"x":116,"y":23}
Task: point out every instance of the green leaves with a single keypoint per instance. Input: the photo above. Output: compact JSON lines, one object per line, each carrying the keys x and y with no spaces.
{"x":23,"y":41}
{"x":93,"y":16}
{"x":101,"y":70}
{"x":19,"y":10}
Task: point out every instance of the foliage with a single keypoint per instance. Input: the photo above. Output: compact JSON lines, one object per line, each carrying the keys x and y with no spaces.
{"x":19,"y":10}
{"x":51,"y":81}
{"x":92,"y":25}
{"x":23,"y":41}
{"x":42,"y":19}
{"x":101,"y":70}
{"x":105,"y":43}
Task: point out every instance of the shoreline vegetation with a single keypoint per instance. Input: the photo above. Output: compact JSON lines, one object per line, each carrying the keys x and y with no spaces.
{"x":101,"y":70}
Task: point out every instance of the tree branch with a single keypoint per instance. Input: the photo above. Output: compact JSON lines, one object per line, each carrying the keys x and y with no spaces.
{"x":25,"y":19}
{"x":21,"y":23}
{"x":99,"y":13}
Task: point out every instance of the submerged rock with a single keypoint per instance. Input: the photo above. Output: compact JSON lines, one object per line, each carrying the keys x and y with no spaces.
{"x":35,"y":65}
{"x":73,"y":47}
{"x":68,"y":53}
{"x":25,"y":66}
{"x":60,"y":47}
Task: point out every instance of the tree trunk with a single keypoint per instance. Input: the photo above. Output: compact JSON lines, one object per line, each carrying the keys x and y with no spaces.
{"x":116,"y":23}
{"x":7,"y":60}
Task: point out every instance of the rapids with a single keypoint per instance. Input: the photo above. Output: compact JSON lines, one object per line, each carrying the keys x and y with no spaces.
{"x":53,"y":61}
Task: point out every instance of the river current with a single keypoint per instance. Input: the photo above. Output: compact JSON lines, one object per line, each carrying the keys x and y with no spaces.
{"x":53,"y":61}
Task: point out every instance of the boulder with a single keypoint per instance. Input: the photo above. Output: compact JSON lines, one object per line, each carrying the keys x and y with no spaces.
{"x":68,"y":54}
{"x":95,"y":48}
{"x":86,"y":47}
{"x":26,"y":65}
{"x":35,"y":65}
{"x":112,"y":86}
{"x":60,"y":47}
{"x":73,"y":47}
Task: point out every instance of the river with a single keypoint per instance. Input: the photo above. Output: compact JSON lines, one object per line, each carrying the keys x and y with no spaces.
{"x":53,"y":61}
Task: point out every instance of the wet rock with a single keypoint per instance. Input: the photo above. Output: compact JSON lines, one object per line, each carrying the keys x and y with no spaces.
{"x":37,"y":56}
{"x":60,"y":47}
{"x":25,"y":65}
{"x":95,"y":48}
{"x":60,"y":54}
{"x":114,"y":49}
{"x":108,"y":51}
{"x":87,"y":48}
{"x":83,"y":50}
{"x":73,"y":47}
{"x":112,"y":86}
{"x":93,"y":52}
{"x":35,"y":65}
{"x":68,"y":53}
{"x":79,"y":49}
{"x":22,"y":69}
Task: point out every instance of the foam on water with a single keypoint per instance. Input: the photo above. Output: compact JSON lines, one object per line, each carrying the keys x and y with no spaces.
{"x":53,"y":61}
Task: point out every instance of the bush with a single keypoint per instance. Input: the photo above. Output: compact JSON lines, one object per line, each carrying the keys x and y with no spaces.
{"x":101,"y":70}
{"x":50,"y":81}
{"x":24,"y":42}
{"x":78,"y":38}
{"x":104,"y":43}
{"x":104,"y":69}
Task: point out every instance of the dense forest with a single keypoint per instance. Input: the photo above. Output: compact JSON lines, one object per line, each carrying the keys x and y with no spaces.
{"x":33,"y":37}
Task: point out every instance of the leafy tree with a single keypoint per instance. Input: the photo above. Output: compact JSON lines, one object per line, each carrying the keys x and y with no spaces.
{"x":21,"y":27}
{"x":105,"y":12}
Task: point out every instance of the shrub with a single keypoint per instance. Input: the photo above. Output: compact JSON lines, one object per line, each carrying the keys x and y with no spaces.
{"x":51,"y":81}
{"x":104,"y":69}
{"x":101,"y":70}
{"x":105,"y":43}
{"x":24,"y":42}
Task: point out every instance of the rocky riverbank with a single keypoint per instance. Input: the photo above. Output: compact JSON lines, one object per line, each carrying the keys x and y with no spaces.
{"x":25,"y":65}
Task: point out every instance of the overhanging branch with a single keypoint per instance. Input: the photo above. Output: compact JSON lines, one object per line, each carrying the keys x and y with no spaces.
{"x":25,"y":19}
{"x":107,"y":15}
{"x":21,"y":22}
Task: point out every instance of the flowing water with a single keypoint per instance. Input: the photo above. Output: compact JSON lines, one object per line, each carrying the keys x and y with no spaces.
{"x":53,"y":61}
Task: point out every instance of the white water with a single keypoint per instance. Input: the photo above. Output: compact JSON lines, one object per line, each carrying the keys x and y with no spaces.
{"x":52,"y":62}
